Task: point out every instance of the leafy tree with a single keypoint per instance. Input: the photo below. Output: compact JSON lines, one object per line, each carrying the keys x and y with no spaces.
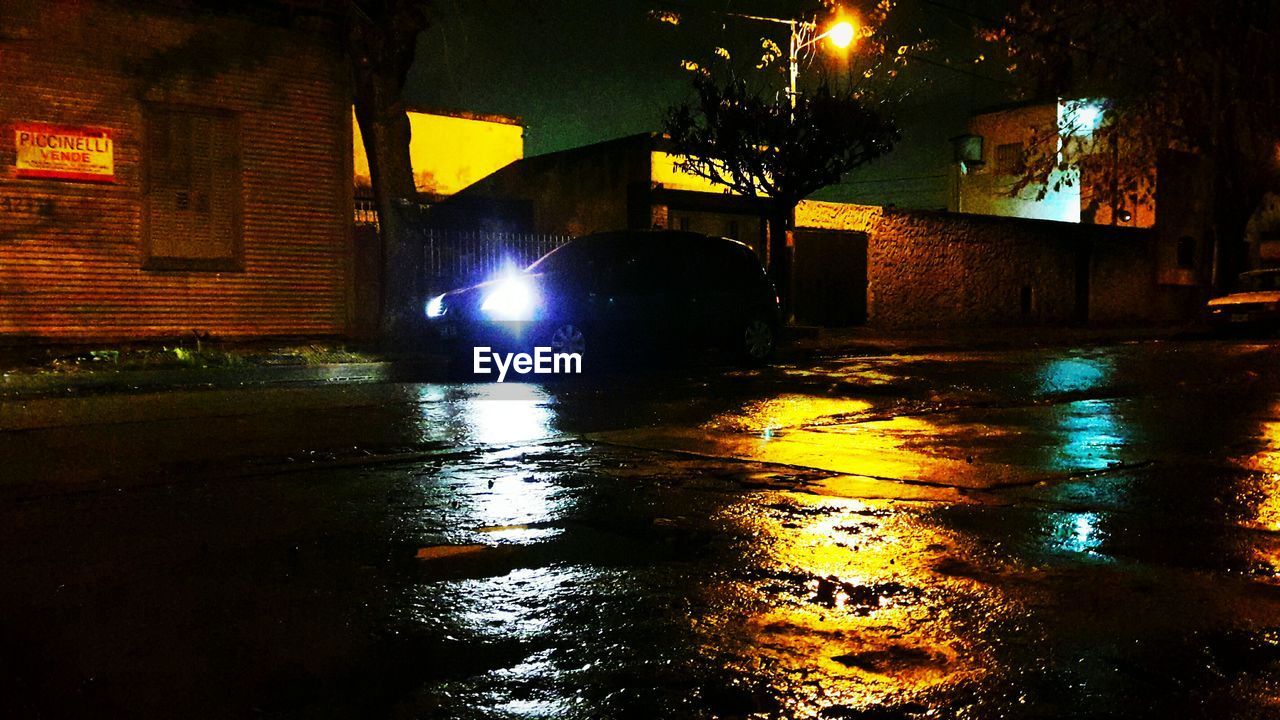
{"x":1171,"y":75}
{"x":759,"y":146}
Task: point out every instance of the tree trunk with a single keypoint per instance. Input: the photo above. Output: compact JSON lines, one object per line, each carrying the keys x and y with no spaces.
{"x":385,"y":129}
{"x":780,"y":255}
{"x":382,"y":40}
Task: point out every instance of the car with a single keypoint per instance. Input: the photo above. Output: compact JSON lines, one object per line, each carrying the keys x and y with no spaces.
{"x":618,"y":293}
{"x":1256,"y":306}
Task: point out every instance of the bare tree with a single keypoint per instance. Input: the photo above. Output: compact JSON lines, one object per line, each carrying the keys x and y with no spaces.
{"x":761,"y":146}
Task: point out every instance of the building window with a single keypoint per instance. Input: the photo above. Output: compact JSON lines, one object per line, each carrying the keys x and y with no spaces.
{"x":684,"y":222}
{"x":1186,"y":252}
{"x":732,"y":232}
{"x":193,"y":218}
{"x":1010,"y":159}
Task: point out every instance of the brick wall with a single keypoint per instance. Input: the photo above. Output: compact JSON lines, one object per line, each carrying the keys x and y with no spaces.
{"x":938,"y":269}
{"x":72,"y":254}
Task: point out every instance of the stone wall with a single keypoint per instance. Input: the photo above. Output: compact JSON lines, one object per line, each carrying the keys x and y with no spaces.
{"x":935,"y":269}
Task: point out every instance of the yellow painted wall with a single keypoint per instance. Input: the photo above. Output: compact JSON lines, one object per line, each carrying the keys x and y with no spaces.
{"x":667,"y":173}
{"x":449,"y":153}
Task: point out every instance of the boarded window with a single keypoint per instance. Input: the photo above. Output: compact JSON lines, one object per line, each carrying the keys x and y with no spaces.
{"x":1009,"y":159}
{"x":193,"y":192}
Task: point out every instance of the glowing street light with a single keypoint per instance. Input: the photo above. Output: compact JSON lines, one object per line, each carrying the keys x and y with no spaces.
{"x":842,"y":34}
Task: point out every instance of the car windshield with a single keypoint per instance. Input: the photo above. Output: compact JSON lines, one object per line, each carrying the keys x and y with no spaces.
{"x":1260,"y":281}
{"x":577,"y":256}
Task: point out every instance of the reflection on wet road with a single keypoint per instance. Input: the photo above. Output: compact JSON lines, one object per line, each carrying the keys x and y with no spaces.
{"x":1039,"y":533}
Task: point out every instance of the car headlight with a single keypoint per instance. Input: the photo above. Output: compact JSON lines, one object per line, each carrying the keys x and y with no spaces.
{"x":435,"y":306}
{"x":511,"y":299}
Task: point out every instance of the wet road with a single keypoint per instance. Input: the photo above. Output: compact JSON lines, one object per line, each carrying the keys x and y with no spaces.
{"x":1051,"y":533}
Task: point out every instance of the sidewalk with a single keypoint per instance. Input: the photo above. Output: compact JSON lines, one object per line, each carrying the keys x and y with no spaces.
{"x":869,"y":341}
{"x":54,"y":371}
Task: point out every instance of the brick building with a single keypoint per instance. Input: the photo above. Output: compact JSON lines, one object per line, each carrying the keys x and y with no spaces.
{"x":170,"y":167}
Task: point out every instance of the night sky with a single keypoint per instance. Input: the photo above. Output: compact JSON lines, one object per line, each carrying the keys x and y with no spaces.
{"x":583,"y":71}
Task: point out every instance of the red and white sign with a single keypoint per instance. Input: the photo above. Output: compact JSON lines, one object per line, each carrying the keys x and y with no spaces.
{"x":64,"y":153}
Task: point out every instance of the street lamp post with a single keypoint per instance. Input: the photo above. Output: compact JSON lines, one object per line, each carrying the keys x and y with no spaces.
{"x":841,"y":34}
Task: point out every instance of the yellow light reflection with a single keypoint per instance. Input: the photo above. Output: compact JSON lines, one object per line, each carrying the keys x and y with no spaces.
{"x":852,"y":609}
{"x":1266,"y":483}
{"x":834,"y":434}
{"x":1259,"y":492}
{"x":838,"y":435}
{"x":771,"y":418}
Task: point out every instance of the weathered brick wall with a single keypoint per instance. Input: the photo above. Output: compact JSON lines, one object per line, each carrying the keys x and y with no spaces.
{"x":71,"y":255}
{"x":938,"y":269}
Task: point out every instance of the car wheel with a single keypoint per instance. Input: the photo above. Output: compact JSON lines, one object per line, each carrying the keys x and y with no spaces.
{"x":758,"y":340}
{"x":567,"y":338}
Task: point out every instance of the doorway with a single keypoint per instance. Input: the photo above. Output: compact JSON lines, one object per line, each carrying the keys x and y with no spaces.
{"x":830,"y":288}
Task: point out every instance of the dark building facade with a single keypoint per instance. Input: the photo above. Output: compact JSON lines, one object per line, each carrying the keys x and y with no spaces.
{"x":631,"y":182}
{"x":173,"y":167}
{"x":854,"y":264}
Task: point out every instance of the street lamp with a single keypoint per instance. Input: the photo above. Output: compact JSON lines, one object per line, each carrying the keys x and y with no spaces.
{"x":841,"y":34}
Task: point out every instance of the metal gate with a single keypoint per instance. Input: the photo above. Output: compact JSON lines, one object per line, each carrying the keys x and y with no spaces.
{"x":830,"y":287}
